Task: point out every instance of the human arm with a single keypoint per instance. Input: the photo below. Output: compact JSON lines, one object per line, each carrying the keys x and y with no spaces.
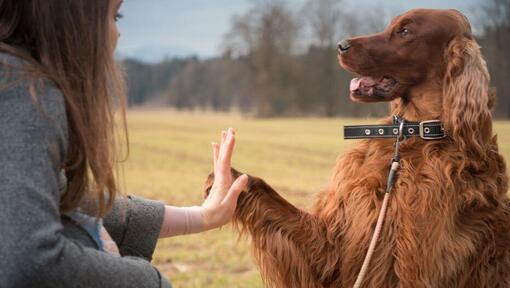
{"x":134,"y":223}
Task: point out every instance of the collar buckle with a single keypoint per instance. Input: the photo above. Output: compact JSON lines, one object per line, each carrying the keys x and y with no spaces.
{"x":423,"y":130}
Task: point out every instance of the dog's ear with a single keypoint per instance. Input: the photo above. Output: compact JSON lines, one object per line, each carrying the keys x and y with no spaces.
{"x":466,"y":98}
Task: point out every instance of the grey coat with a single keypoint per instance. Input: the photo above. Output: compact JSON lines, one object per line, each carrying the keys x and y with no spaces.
{"x":38,"y":246}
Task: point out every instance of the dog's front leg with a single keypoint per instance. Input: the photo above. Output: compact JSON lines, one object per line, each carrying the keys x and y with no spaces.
{"x":284,"y":238}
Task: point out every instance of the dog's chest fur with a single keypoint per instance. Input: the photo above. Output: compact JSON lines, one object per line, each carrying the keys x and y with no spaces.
{"x":427,"y":232}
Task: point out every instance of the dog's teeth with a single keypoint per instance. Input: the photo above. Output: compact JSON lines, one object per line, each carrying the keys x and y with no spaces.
{"x":355,"y":83}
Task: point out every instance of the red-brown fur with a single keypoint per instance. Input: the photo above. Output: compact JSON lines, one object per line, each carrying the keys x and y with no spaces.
{"x":448,"y":220}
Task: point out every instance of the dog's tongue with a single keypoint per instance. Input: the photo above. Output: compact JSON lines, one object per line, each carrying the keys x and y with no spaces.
{"x":364,"y":83}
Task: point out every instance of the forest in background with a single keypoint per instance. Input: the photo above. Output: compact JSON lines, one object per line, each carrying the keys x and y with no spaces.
{"x":280,"y":61}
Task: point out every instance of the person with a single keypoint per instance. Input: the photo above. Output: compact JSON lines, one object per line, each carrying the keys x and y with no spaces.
{"x":63,"y":221}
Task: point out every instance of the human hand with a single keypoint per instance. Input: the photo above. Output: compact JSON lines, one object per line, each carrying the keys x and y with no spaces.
{"x":220,"y":204}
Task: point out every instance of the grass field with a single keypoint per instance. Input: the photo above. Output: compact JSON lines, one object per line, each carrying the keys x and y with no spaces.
{"x":170,"y":158}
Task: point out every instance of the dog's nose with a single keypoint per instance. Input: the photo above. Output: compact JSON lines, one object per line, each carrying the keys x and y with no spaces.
{"x":343,"y":46}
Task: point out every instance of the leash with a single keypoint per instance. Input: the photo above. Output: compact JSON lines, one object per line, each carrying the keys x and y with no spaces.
{"x":401,"y":130}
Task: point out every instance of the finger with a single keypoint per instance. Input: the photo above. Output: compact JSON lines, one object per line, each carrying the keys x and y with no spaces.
{"x":229,"y":150}
{"x":233,"y":193}
{"x":223,"y":175}
{"x":223,"y":137}
{"x":216,"y":152}
{"x":226,"y":151}
{"x":225,"y":155}
{"x":215,"y":149}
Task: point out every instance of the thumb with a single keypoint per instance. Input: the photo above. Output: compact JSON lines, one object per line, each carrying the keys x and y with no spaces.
{"x":237,"y":187}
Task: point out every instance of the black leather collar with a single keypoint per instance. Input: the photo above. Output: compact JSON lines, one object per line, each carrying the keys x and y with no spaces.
{"x":427,"y":130}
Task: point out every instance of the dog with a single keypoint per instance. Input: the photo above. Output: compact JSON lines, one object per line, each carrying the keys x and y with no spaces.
{"x":448,"y":220}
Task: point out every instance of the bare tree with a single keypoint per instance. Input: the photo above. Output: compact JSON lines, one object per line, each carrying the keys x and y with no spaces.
{"x":266,"y":36}
{"x":325,"y":17}
{"x":495,"y":41}
{"x":240,"y":39}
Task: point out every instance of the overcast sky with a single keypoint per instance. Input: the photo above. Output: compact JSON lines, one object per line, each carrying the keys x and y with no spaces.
{"x":152,"y":29}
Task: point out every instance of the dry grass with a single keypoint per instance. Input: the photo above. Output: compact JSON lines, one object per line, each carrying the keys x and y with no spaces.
{"x":171,"y":156}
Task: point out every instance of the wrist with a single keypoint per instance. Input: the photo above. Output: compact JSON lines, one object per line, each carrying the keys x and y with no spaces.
{"x":209,"y":222}
{"x":182,"y":221}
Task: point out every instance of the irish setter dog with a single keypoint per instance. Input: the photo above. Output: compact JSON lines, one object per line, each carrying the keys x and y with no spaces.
{"x":448,"y":221}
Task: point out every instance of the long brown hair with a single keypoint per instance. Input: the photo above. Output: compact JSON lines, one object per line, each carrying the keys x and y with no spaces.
{"x":466,"y":102}
{"x":69,"y":42}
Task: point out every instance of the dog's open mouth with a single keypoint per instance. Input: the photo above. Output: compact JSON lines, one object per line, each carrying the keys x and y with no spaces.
{"x":370,"y":89}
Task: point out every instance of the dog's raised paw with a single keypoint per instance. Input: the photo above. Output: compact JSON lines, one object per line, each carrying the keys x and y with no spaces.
{"x":210,"y":181}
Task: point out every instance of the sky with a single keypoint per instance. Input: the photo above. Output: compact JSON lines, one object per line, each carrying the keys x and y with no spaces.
{"x":152,"y":30}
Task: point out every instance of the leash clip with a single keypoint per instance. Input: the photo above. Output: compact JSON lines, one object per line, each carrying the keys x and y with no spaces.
{"x":401,"y":122}
{"x":401,"y":136}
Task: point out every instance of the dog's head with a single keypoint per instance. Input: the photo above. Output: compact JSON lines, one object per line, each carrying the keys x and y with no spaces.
{"x":422,"y":50}
{"x":409,"y":51}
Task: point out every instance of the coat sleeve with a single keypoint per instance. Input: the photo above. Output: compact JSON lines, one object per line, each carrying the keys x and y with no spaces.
{"x":134,"y":224}
{"x":34,"y":252}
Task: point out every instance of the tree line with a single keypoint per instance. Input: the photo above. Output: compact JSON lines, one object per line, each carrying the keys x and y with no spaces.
{"x":280,"y":60}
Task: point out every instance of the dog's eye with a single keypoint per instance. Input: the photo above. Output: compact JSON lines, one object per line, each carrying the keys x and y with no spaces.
{"x":403,"y":31}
